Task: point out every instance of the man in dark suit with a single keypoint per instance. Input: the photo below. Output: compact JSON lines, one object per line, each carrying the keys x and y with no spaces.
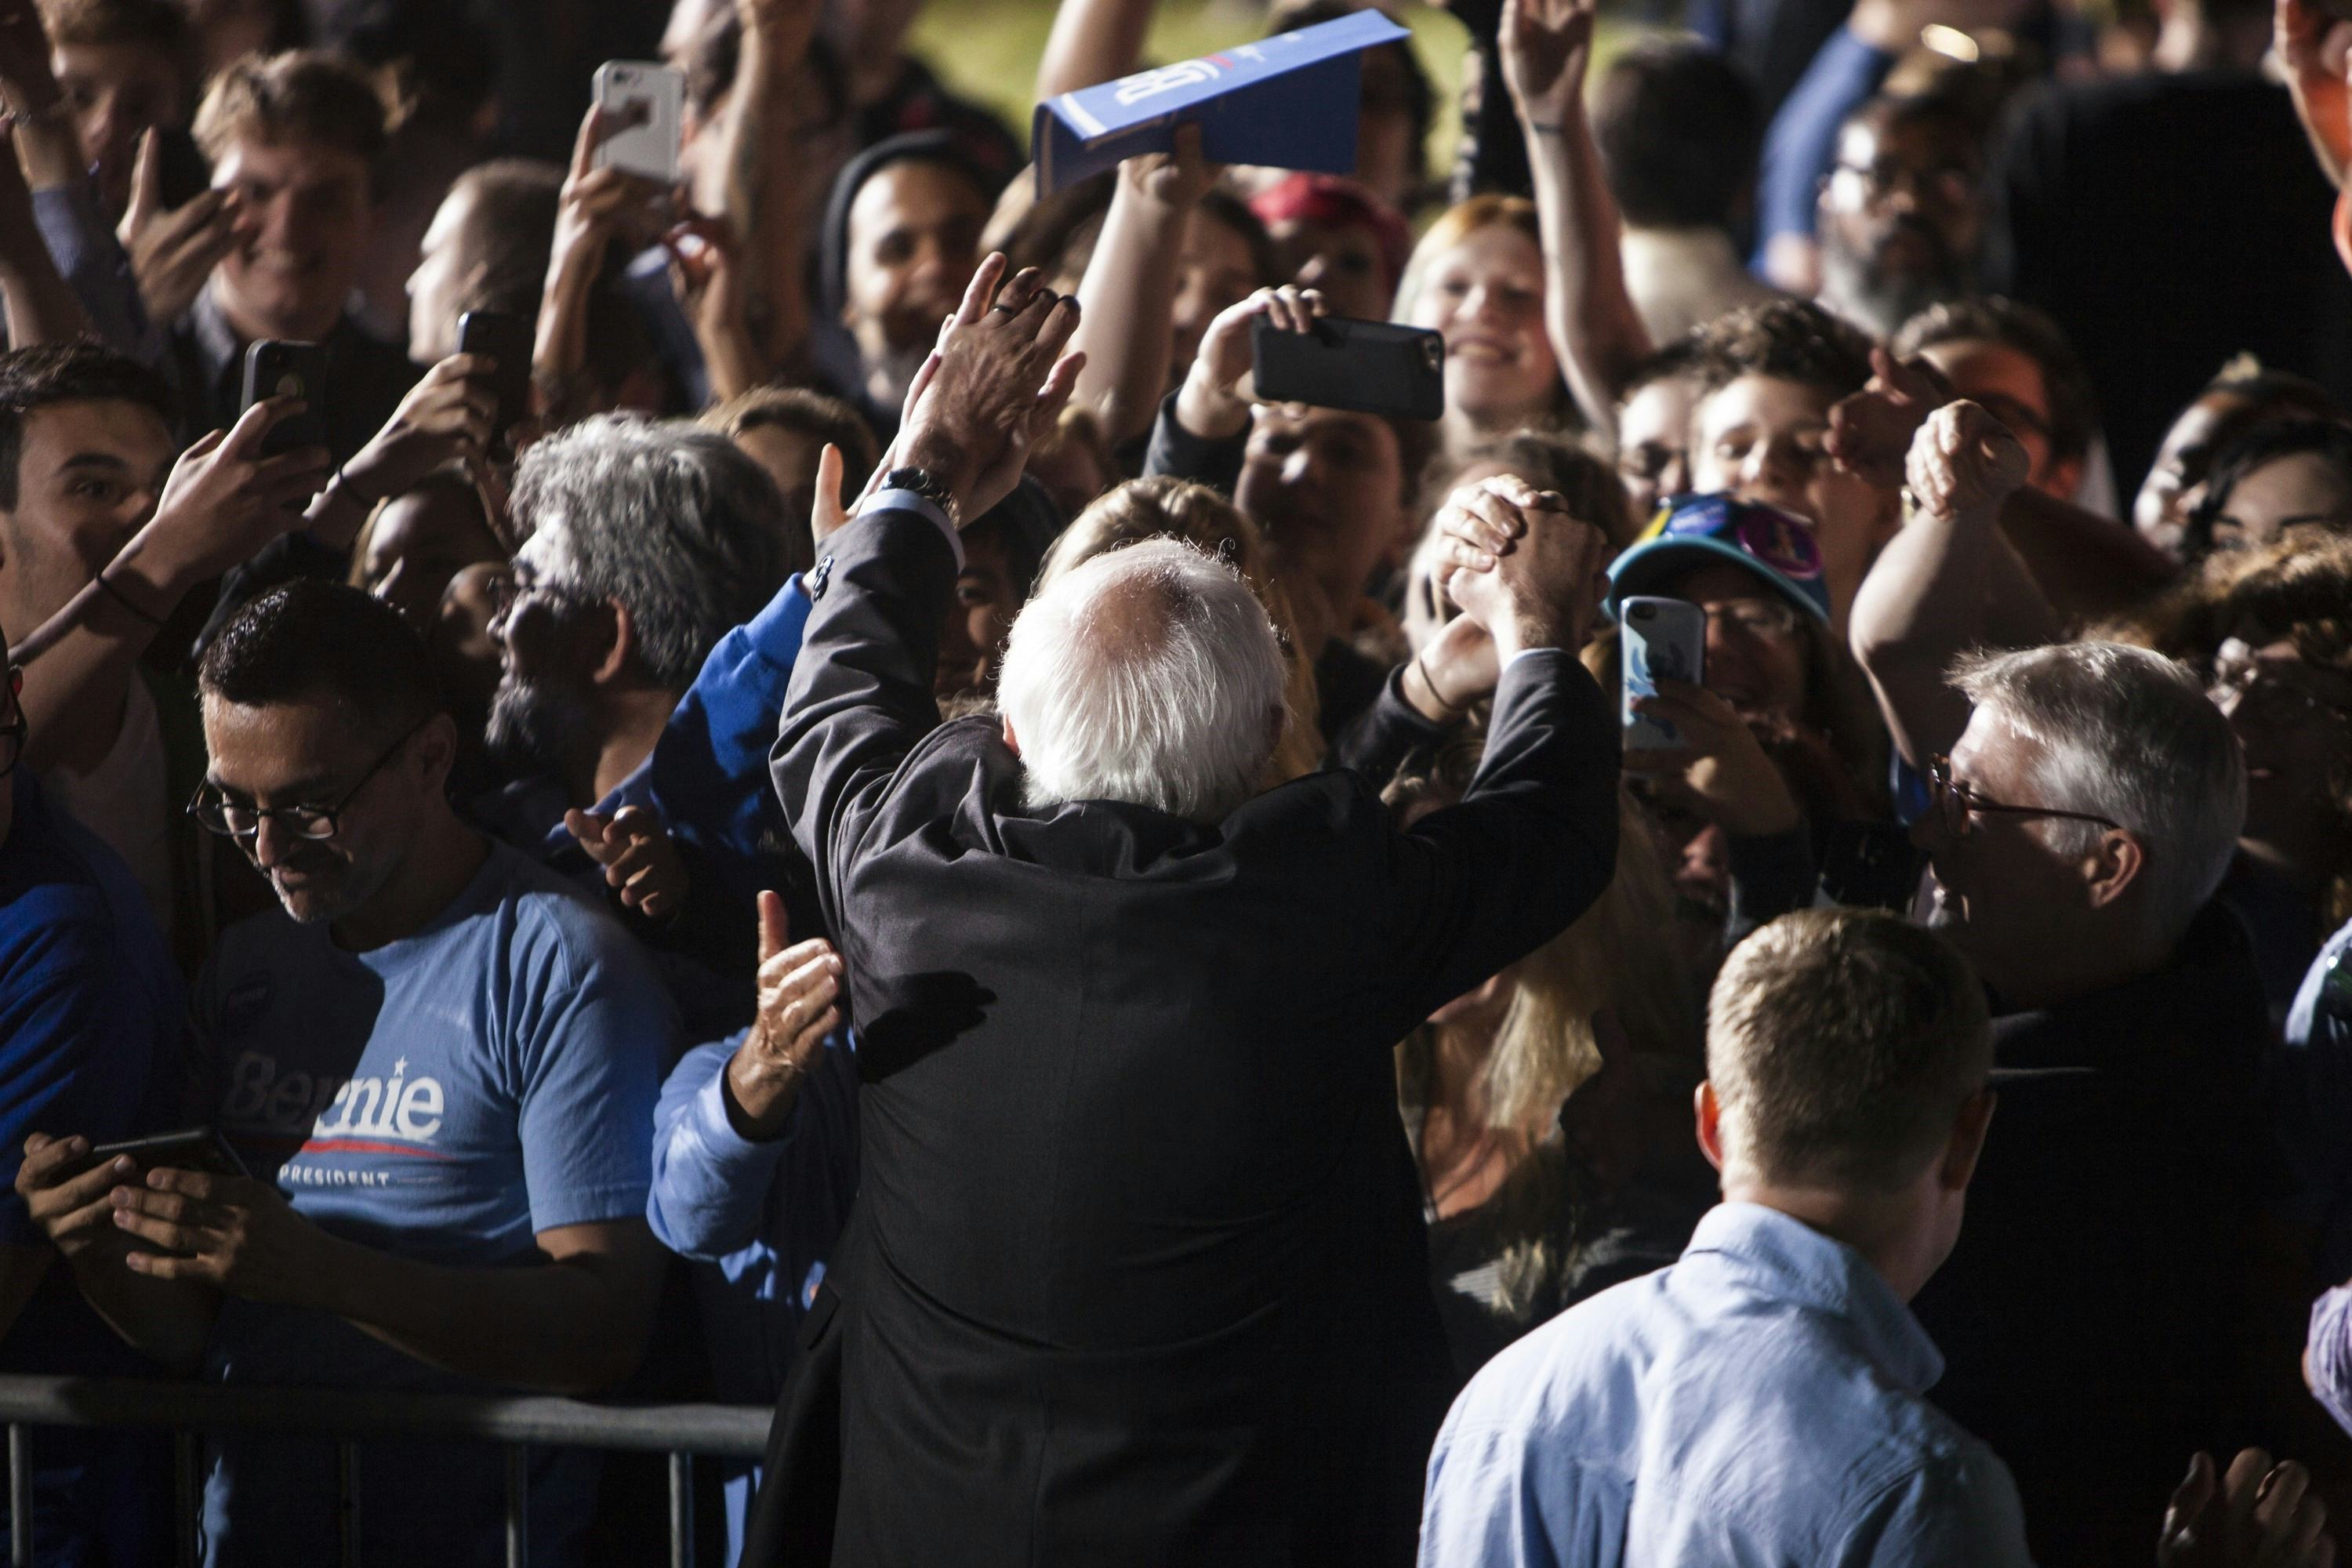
{"x":1136,"y":1272}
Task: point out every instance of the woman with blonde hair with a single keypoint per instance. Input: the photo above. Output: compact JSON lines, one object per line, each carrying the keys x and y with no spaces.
{"x":1179,"y":509}
{"x":1548,"y":1107}
{"x":1478,"y":278}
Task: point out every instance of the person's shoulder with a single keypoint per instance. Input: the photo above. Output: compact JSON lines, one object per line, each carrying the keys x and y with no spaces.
{"x":59,"y":893}
{"x":548,"y":914}
{"x":1573,"y":1373}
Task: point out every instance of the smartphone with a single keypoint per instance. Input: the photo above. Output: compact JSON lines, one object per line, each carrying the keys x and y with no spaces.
{"x":276,"y":368}
{"x":1371,"y":367}
{"x":508,"y":340}
{"x":190,"y":1149}
{"x":1662,"y":639}
{"x":650,"y":101}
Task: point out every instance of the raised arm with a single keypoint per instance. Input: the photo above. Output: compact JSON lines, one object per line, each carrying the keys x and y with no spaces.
{"x":757,"y":141}
{"x":586,"y":218}
{"x":40,"y":308}
{"x":1128,"y":298}
{"x":860,"y":695}
{"x":222,"y":501}
{"x":1478,"y":885}
{"x":1924,"y":603}
{"x":1092,"y":41}
{"x":1596,"y":332}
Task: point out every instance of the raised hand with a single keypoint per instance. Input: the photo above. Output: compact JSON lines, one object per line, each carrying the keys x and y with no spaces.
{"x":1216,"y":396}
{"x":1871,"y":432}
{"x":1721,"y":771}
{"x":223,"y":499}
{"x":2260,"y":1516}
{"x":448,"y":414}
{"x":1964,"y":463}
{"x":30,"y":86}
{"x":1518,"y":564}
{"x":992,"y":388}
{"x":1546,"y":45}
{"x":800,"y":986}
{"x":1454,"y":670}
{"x":173,"y":250}
{"x":1178,"y":178}
{"x":640,"y":861}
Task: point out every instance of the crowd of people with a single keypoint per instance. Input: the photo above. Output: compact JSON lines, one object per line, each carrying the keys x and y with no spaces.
{"x":876,"y":832}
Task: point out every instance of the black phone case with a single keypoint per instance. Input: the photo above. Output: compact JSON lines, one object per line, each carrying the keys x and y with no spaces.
{"x":275,"y":367}
{"x":508,"y":340}
{"x":1369,"y":367}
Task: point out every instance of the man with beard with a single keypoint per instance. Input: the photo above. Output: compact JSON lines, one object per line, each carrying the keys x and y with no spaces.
{"x":1901,"y":214}
{"x":649,"y":542}
{"x":2089,"y":805}
{"x":439,"y":1063}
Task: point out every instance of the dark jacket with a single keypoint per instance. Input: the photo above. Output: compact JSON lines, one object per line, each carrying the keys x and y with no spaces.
{"x":1137,"y":1273}
{"x":2092,"y":1314}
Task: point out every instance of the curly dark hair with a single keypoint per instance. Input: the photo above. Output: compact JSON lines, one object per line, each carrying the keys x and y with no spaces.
{"x":1789,"y":340}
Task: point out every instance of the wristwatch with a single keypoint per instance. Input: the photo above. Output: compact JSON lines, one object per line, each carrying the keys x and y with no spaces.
{"x":926,"y":484}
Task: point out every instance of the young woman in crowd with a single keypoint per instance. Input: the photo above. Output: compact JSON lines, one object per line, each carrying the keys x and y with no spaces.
{"x":2242,"y":398}
{"x":2271,"y":629}
{"x":2292,"y":474}
{"x":1545,"y":1106}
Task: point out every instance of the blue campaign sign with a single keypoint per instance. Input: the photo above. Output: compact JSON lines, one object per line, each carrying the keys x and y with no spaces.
{"x":1289,"y":101}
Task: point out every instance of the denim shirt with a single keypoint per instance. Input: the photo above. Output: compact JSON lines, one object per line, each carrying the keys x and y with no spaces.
{"x":1757,"y":1403}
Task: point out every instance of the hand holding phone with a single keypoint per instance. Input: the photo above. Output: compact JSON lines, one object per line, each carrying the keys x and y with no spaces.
{"x":643,"y":107}
{"x":189,"y":1149}
{"x":506,"y":340}
{"x":1369,"y":367}
{"x":1660,"y":639}
{"x":276,"y":367}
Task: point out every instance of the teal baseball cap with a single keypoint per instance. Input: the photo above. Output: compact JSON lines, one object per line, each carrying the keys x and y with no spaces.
{"x":1690,"y":531}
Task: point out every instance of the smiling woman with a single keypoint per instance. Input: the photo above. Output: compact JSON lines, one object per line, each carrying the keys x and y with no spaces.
{"x":1478,"y":276}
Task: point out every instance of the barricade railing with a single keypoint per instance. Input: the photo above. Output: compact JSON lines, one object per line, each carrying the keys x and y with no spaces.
{"x":517,"y":1424}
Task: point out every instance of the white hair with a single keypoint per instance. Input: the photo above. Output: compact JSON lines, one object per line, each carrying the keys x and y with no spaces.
{"x":2129,"y":735}
{"x":1148,"y":675}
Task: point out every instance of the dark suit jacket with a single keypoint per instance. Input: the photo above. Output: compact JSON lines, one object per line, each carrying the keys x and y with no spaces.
{"x":2093,"y":1315}
{"x":1136,"y":1272}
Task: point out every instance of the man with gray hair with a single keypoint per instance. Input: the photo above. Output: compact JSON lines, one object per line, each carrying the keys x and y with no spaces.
{"x":648,"y":543}
{"x":2086,"y":812}
{"x":1136,"y":1272}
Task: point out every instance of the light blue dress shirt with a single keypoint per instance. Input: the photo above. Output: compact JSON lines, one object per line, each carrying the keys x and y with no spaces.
{"x":1757,"y":1403}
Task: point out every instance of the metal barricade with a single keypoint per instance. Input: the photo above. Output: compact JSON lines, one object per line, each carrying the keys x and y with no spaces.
{"x":349,"y":1416}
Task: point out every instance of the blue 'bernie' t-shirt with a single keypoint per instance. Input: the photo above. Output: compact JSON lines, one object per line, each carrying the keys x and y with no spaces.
{"x":444,"y":1098}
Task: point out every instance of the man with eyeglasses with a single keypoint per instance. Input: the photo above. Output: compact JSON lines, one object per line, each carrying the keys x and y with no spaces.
{"x":439,"y":1061}
{"x":2083,"y":803}
{"x":1901,"y":216}
{"x":90,"y":1042}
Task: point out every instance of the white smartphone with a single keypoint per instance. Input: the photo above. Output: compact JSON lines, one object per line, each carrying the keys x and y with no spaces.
{"x":650,"y":101}
{"x":1661,"y":639}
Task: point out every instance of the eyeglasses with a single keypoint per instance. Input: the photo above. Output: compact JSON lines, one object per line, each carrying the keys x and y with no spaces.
{"x":1855,"y":185}
{"x":505,"y":591}
{"x":232,"y":819}
{"x":1773,"y":620}
{"x":1957,"y":802}
{"x":2266,"y":701}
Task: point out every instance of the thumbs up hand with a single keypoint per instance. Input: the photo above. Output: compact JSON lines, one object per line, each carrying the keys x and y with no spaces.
{"x":799,"y":986}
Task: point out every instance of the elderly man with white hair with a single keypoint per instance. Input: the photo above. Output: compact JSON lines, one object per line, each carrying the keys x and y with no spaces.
{"x":1136,"y":1273}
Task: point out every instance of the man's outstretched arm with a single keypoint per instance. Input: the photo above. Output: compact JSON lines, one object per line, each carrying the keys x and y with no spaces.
{"x":860,"y":695}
